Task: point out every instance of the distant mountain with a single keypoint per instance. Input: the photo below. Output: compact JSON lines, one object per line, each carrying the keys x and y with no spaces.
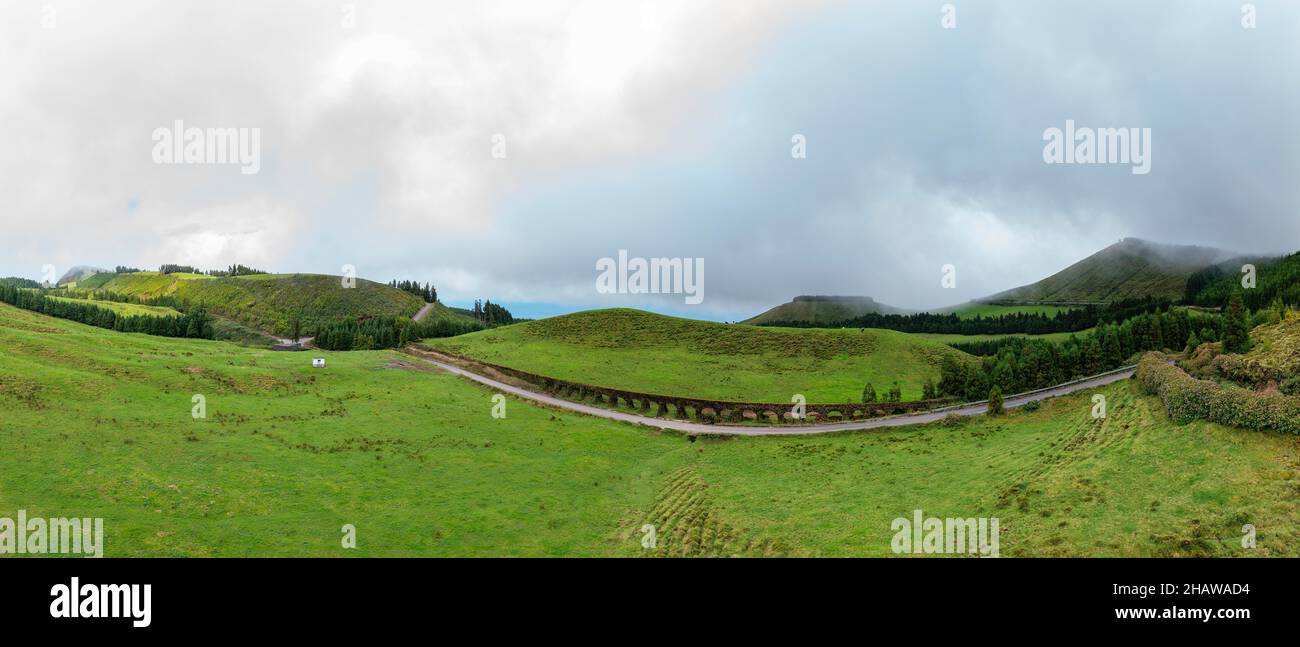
{"x":823,"y":309}
{"x":79,"y":272}
{"x":1131,"y":268}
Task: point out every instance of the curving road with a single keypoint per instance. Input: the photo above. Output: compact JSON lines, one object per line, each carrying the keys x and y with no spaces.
{"x":971,"y":409}
{"x":424,"y":312}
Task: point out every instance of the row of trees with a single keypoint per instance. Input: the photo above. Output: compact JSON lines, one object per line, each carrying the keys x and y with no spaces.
{"x":385,"y":332}
{"x":172,"y":268}
{"x":1022,"y":364}
{"x":20,"y":282}
{"x":195,"y":323}
{"x":1033,"y":323}
{"x":236,"y":270}
{"x":491,"y":314}
{"x":894,"y":394}
{"x":426,"y":291}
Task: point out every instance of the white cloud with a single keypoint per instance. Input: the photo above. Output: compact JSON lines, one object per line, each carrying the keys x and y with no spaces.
{"x":660,"y":127}
{"x":410,"y":97}
{"x":256,"y":232}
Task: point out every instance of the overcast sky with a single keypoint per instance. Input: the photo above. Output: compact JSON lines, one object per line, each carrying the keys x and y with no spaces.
{"x":663,"y":128}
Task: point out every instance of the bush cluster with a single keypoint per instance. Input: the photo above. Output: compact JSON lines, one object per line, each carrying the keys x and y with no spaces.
{"x":1247,"y":371}
{"x":1187,"y":398}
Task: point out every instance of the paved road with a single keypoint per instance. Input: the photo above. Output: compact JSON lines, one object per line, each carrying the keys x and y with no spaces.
{"x":424,"y":312}
{"x":697,"y":428}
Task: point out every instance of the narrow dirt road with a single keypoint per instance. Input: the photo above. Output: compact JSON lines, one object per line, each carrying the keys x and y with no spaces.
{"x":424,"y":312}
{"x":974,"y":409}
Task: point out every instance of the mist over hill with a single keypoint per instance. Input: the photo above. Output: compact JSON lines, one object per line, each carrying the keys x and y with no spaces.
{"x":823,"y":309}
{"x":1132,"y":268}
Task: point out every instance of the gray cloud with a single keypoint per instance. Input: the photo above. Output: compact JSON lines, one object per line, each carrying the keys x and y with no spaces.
{"x":661,"y":128}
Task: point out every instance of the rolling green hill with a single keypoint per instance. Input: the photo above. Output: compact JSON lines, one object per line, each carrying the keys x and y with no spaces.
{"x":822,"y":310}
{"x":101,"y":425}
{"x":1131,"y":268}
{"x":641,"y":351}
{"x":267,"y":301}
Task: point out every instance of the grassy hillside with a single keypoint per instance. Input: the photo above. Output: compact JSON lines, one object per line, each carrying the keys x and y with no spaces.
{"x":1277,"y":346}
{"x":443,"y":312}
{"x":823,"y":310}
{"x":267,"y":301}
{"x":1131,"y":268}
{"x":98,"y":423}
{"x":641,"y":351}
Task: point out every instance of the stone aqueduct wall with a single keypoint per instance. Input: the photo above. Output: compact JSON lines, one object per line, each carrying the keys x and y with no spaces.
{"x":652,"y":404}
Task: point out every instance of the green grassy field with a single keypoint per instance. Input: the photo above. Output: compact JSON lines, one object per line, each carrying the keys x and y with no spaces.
{"x":972,"y":310}
{"x":950,"y":338}
{"x":96,"y":423}
{"x":131,"y":309}
{"x":640,"y":351}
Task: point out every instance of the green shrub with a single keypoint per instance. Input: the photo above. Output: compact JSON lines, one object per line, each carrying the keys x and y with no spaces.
{"x":868,"y":394}
{"x":1246,"y":371}
{"x":1032,"y":405}
{"x":1187,"y":398}
{"x":995,"y":401}
{"x":1290,"y":386}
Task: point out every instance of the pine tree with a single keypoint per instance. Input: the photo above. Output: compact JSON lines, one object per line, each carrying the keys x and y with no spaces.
{"x":995,"y":401}
{"x":868,"y":394}
{"x":1236,"y":332}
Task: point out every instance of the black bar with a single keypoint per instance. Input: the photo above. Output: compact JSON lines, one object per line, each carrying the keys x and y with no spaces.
{"x":326,"y":596}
